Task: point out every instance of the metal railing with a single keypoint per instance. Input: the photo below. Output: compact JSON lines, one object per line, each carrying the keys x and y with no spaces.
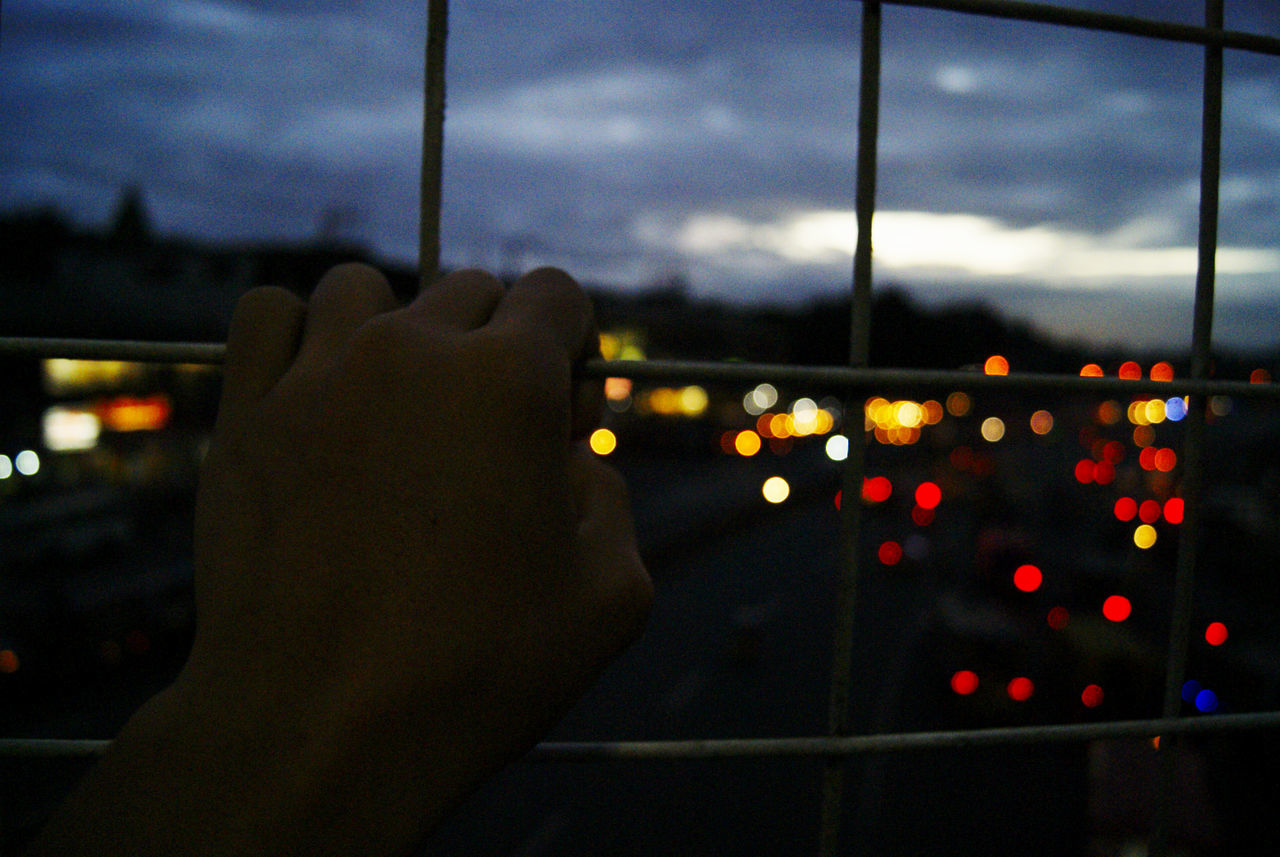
{"x":839,"y":744}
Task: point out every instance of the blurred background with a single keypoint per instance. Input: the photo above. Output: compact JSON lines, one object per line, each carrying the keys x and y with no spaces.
{"x":693,"y":165}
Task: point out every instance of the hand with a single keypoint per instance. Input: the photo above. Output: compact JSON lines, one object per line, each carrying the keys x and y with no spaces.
{"x":407,"y":565}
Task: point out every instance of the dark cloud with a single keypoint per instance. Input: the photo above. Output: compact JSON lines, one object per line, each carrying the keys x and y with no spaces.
{"x":631,"y":139}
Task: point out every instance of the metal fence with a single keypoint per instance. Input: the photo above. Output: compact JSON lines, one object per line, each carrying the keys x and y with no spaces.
{"x":857,"y":379}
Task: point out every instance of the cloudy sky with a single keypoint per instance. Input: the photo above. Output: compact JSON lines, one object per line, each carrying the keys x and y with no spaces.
{"x":1044,"y":169}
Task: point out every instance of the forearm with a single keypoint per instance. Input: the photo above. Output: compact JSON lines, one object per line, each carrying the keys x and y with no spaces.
{"x":192,"y":775}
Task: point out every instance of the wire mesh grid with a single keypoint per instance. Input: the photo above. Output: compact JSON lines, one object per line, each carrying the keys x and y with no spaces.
{"x":853,"y":380}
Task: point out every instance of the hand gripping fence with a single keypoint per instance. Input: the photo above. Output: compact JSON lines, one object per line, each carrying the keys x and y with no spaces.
{"x":853,"y":380}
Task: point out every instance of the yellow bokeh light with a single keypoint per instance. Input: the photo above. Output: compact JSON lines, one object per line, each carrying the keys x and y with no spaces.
{"x":1145,"y":536}
{"x":992,"y":429}
{"x":1155,"y":411}
{"x":1042,"y":422}
{"x":603,"y":441}
{"x":908,"y":414}
{"x":826,"y":422}
{"x":693,"y":401}
{"x":776,"y":489}
{"x":780,"y":425}
{"x":959,"y":404}
{"x":747,"y":443}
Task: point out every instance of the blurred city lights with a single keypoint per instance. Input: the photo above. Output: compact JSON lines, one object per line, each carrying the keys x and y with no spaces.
{"x":764,"y":396}
{"x":876,"y":489}
{"x":1144,"y":536}
{"x":617,"y":389}
{"x":1042,"y":422}
{"x":776,"y":489}
{"x":928,"y":495}
{"x":959,"y":404}
{"x":1021,"y":688}
{"x":996,"y":365}
{"x":27,"y":462}
{"x":1027,"y":578}
{"x":1117,"y":608}
{"x":603,"y":441}
{"x":964,"y":682}
{"x":747,"y":443}
{"x":125,"y":413}
{"x":837,"y":447}
{"x":890,"y":553}
{"x":1215,"y":634}
{"x":70,"y":429}
{"x":1058,"y":618}
{"x":693,"y":401}
{"x":1092,"y":696}
{"x":992,"y":429}
{"x":1126,"y":508}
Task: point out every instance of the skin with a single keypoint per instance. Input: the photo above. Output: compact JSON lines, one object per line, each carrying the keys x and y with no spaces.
{"x":408,"y":567}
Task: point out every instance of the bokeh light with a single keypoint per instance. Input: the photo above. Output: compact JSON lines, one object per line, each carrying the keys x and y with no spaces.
{"x":1042,"y":422}
{"x":921,"y":516}
{"x":1110,"y":412}
{"x":775,"y":489}
{"x":27,"y":462}
{"x":1190,"y":688}
{"x":1104,"y":473}
{"x":1144,"y":536}
{"x":1027,"y":578}
{"x":1215,"y":634}
{"x":1166,"y":459}
{"x":1084,"y":471}
{"x":603,"y":441}
{"x":1091,"y":370}
{"x":837,"y":447}
{"x":996,"y":365}
{"x":890,"y":553}
{"x":877,"y":489}
{"x":1259,"y":376}
{"x":992,"y":429}
{"x":1130,"y":371}
{"x":928,"y":495}
{"x":1175,"y":409}
{"x":1161,"y":371}
{"x":1126,"y":508}
{"x":1117,"y":608}
{"x":9,"y":662}
{"x":1058,"y":618}
{"x":1021,"y":689}
{"x":959,"y":404}
{"x":1174,"y":509}
{"x":964,"y":682}
{"x":6,"y":467}
{"x":747,"y":443}
{"x":1092,"y":696}
{"x":1206,"y":701}
{"x":1149,"y":512}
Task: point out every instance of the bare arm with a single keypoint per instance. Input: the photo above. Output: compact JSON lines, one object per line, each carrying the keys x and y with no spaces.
{"x":407,"y":569}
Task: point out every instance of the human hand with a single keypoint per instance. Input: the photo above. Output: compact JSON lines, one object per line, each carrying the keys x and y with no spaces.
{"x":407,"y":568}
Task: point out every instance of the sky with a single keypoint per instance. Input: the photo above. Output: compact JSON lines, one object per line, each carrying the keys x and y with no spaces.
{"x":1050,"y":172}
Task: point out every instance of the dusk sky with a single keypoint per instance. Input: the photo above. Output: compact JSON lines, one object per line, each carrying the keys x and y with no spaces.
{"x":1043,"y":168}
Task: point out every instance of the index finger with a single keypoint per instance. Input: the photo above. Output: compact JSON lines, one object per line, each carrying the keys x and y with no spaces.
{"x":549,"y":299}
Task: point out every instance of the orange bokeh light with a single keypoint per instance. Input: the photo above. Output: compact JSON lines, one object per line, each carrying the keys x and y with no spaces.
{"x":996,"y":365}
{"x":747,"y":443}
{"x":1091,"y":370}
{"x":1161,"y":371}
{"x":1130,"y":371}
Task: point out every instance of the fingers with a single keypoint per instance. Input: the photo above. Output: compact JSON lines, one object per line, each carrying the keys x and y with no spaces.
{"x":261,"y":345}
{"x":346,"y":297}
{"x":463,"y":300}
{"x":606,"y":551}
{"x":549,"y":299}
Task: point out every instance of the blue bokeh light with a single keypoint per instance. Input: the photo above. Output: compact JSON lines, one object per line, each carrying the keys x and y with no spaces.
{"x":1189,"y":690}
{"x":1175,"y":409}
{"x":1207,"y":700}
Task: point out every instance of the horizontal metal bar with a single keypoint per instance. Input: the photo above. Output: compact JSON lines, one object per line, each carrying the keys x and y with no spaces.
{"x":1106,"y":22}
{"x":685,"y":371}
{"x":596,"y":751}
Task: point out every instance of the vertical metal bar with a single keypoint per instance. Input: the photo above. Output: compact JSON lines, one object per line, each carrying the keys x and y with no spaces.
{"x":432,"y":143}
{"x":838,"y":717}
{"x":1193,"y":451}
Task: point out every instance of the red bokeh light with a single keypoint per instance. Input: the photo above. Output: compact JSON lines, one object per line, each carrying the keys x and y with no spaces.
{"x":921,"y":517}
{"x":1173,"y":510}
{"x":1149,"y":512}
{"x":1147,"y":458}
{"x":1161,"y":372}
{"x":1165,"y":460}
{"x":1091,"y":370}
{"x":1092,"y":696}
{"x":1027,"y":578}
{"x":1084,"y":471}
{"x":890,"y":553}
{"x":1021,"y":688}
{"x":1117,"y":608}
{"x":964,"y":682}
{"x":928,"y":495}
{"x":876,"y":489}
{"x":1130,"y":371}
{"x":1104,"y":473}
{"x":1215,"y":634}
{"x":1126,"y":508}
{"x":839,"y":495}
{"x":1058,"y":618}
{"x":1113,"y":451}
